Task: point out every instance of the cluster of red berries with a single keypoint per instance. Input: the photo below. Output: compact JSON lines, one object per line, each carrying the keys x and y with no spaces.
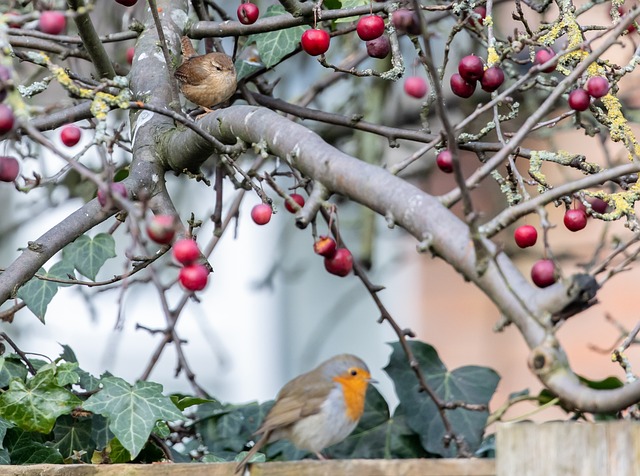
{"x":543,"y":272}
{"x":470,"y":71}
{"x":193,"y":276}
{"x":338,"y":261}
{"x":9,"y":166}
{"x":261,"y":213}
{"x":596,"y":87}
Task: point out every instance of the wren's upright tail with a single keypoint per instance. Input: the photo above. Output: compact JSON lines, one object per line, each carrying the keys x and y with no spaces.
{"x":259,"y":444}
{"x":188,"y":50}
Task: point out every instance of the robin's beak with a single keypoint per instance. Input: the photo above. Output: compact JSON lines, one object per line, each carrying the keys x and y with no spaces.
{"x":372,"y":380}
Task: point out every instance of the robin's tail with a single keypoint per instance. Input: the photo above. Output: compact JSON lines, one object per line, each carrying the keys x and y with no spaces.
{"x":259,"y":444}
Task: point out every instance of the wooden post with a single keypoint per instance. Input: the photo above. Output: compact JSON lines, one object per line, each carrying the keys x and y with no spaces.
{"x":568,"y":448}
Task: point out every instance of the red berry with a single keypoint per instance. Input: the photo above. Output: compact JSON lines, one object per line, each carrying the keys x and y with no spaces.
{"x":161,"y":229}
{"x":598,"y":205}
{"x":340,"y":264}
{"x":543,"y":273}
{"x":325,"y":246}
{"x":544,"y":55}
{"x":186,"y":251}
{"x":248,"y":13}
{"x":479,"y":14}
{"x":52,"y":22}
{"x":471,"y":68}
{"x":460,"y":87}
{"x":575,"y":219}
{"x":525,"y":236}
{"x":261,"y":213}
{"x":7,"y":119}
{"x":379,"y":48}
{"x":131,"y":51}
{"x":296,"y":197}
{"x":415,"y":86}
{"x":406,"y":21}
{"x":315,"y":42}
{"x":194,"y":277}
{"x":579,"y":100}
{"x":70,"y":135}
{"x":117,"y":188}
{"x":9,"y":169}
{"x":492,"y":79}
{"x":127,"y":3}
{"x":597,"y":86}
{"x":630,"y":29}
{"x":370,"y":27}
{"x":444,"y":161}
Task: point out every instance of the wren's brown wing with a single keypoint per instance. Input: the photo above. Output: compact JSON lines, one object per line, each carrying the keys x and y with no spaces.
{"x":192,"y":71}
{"x":301,"y":397}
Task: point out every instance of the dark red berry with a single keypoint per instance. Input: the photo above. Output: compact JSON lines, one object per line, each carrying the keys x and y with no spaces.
{"x":544,"y":55}
{"x":7,"y":119}
{"x":315,"y":42}
{"x":543,"y":273}
{"x":479,"y":14}
{"x":415,"y":86}
{"x":186,"y":251}
{"x":261,"y":213}
{"x":598,"y":205}
{"x":575,"y":219}
{"x":444,"y":161}
{"x":492,"y":79}
{"x":117,"y":188}
{"x":127,"y":3}
{"x":70,"y":135}
{"x":9,"y":169}
{"x":370,"y":27}
{"x":325,"y":246}
{"x":379,"y":48}
{"x":248,"y":13}
{"x":579,"y":100}
{"x":161,"y":229}
{"x":471,"y":68}
{"x":460,"y":87}
{"x":340,"y":264}
{"x":194,"y":277}
{"x":406,"y":21}
{"x":296,"y":197}
{"x":525,"y":236}
{"x":597,"y":86}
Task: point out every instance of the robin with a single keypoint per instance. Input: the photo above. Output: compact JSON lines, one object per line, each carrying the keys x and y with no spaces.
{"x":317,"y":409}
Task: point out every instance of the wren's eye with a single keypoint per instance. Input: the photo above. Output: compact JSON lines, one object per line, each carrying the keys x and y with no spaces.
{"x":353,"y":372}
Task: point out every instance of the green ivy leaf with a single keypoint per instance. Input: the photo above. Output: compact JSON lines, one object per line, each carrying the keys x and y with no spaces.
{"x":34,"y":406}
{"x":37,"y":294}
{"x":4,"y":457}
{"x":100,"y":432}
{"x":11,"y":366}
{"x":470,"y":384}
{"x":62,"y":270}
{"x":132,"y":410}
{"x":88,"y":255}
{"x":4,"y":426}
{"x":378,"y":435}
{"x":67,"y":374}
{"x":183,"y":402}
{"x":216,"y":459}
{"x":29,"y":448}
{"x":73,"y":435}
{"x":244,"y":68}
{"x":273,"y":46}
{"x":68,"y":355}
{"x":118,"y":453}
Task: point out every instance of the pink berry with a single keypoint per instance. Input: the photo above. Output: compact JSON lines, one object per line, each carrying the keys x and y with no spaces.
{"x":544,"y":55}
{"x":117,"y":188}
{"x":370,"y":27}
{"x":296,"y":197}
{"x":579,"y":100}
{"x":52,"y":22}
{"x":186,"y":251}
{"x":7,"y":119}
{"x":460,"y":87}
{"x":131,"y":51}
{"x":597,"y":86}
{"x":161,"y":229}
{"x":194,"y":277}
{"x":70,"y":135}
{"x":471,"y":68}
{"x":575,"y":219}
{"x":248,"y":13}
{"x":127,"y":3}
{"x":379,"y":48}
{"x":9,"y":169}
{"x":340,"y":264}
{"x":525,"y":236}
{"x":543,"y":273}
{"x":325,"y":246}
{"x":261,"y":213}
{"x":315,"y":42}
{"x":492,"y":79}
{"x":406,"y":21}
{"x":444,"y":161}
{"x":415,"y":86}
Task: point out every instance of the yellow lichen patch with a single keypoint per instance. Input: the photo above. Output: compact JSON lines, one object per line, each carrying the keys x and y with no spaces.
{"x":488,"y":21}
{"x":492,"y":56}
{"x":619,"y":127}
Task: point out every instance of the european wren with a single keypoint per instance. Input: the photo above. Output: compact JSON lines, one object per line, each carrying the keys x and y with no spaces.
{"x":206,"y":80}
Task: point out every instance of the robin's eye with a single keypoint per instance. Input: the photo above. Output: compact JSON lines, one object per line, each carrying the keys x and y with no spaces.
{"x":354,"y":372}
